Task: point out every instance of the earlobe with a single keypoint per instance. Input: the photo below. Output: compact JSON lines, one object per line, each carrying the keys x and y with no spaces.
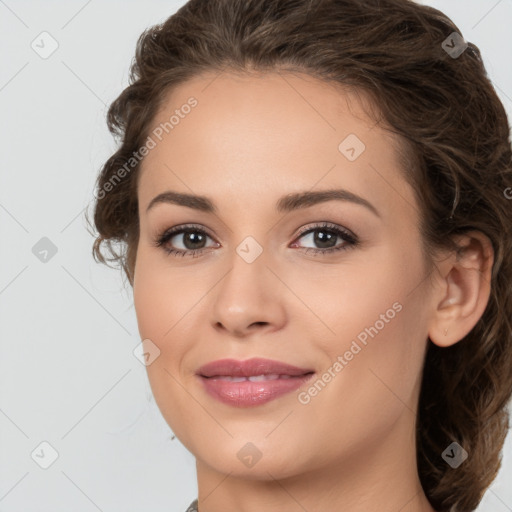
{"x":463,"y":290}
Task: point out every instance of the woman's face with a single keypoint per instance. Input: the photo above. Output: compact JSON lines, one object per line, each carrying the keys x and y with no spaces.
{"x":263,"y":283}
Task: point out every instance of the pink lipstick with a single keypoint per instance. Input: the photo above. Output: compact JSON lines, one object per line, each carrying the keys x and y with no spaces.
{"x":251,"y":382}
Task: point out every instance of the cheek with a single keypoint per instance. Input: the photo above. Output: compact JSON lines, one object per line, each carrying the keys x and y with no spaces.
{"x":149,"y":299}
{"x":166,"y":302}
{"x":372,"y":375}
{"x":380,"y":330}
{"x":363,"y":295}
{"x":161,"y":303}
{"x":162,"y":295}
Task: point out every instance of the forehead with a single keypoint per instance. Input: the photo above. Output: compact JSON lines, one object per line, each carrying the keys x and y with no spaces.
{"x":260,"y":136}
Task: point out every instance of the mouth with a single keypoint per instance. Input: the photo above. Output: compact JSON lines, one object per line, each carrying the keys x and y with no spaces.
{"x":252,"y":382}
{"x":255,"y":367}
{"x":257,"y":378}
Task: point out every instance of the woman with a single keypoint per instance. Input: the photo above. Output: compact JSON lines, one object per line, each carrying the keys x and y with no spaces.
{"x":313,"y":205}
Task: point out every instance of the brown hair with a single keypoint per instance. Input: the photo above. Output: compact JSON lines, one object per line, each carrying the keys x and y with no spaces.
{"x":457,"y":156}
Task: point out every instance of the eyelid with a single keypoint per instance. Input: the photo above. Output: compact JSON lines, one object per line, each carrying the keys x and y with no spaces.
{"x":325,"y":225}
{"x":179,"y":228}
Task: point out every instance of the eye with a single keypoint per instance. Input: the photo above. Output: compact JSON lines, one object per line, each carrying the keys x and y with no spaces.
{"x":192,"y":238}
{"x":325,"y":235}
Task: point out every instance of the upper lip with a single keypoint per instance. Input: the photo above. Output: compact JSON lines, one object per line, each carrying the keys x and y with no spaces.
{"x":249,"y":367}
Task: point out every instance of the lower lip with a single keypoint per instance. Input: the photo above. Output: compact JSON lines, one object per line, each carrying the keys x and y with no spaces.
{"x":251,"y":394}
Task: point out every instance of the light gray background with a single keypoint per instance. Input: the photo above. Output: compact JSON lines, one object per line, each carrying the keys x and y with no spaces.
{"x":67,"y":372}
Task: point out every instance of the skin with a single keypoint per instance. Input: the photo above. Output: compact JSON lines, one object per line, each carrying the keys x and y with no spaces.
{"x":251,"y":140}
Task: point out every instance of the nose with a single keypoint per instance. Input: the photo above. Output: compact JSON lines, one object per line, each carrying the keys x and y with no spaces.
{"x":249,"y":299}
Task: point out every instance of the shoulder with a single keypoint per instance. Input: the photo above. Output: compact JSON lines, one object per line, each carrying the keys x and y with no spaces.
{"x":192,"y":507}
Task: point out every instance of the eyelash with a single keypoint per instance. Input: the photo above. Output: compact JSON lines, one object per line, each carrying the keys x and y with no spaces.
{"x":351,"y":240}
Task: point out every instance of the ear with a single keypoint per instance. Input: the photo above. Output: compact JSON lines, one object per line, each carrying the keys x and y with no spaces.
{"x":462,"y":289}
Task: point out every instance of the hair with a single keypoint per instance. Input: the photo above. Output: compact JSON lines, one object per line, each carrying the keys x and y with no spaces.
{"x":456,"y":153}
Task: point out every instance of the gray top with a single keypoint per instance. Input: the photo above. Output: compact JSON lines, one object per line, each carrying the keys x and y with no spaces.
{"x":192,"y":507}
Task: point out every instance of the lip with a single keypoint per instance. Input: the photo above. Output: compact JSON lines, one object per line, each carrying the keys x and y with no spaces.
{"x":250,"y":367}
{"x":285,"y":378}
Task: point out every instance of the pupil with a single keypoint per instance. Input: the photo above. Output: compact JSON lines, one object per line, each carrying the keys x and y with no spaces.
{"x":194,"y":238}
{"x":323,"y":237}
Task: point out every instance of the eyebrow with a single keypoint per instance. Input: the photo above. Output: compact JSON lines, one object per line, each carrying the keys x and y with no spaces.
{"x":287,"y":203}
